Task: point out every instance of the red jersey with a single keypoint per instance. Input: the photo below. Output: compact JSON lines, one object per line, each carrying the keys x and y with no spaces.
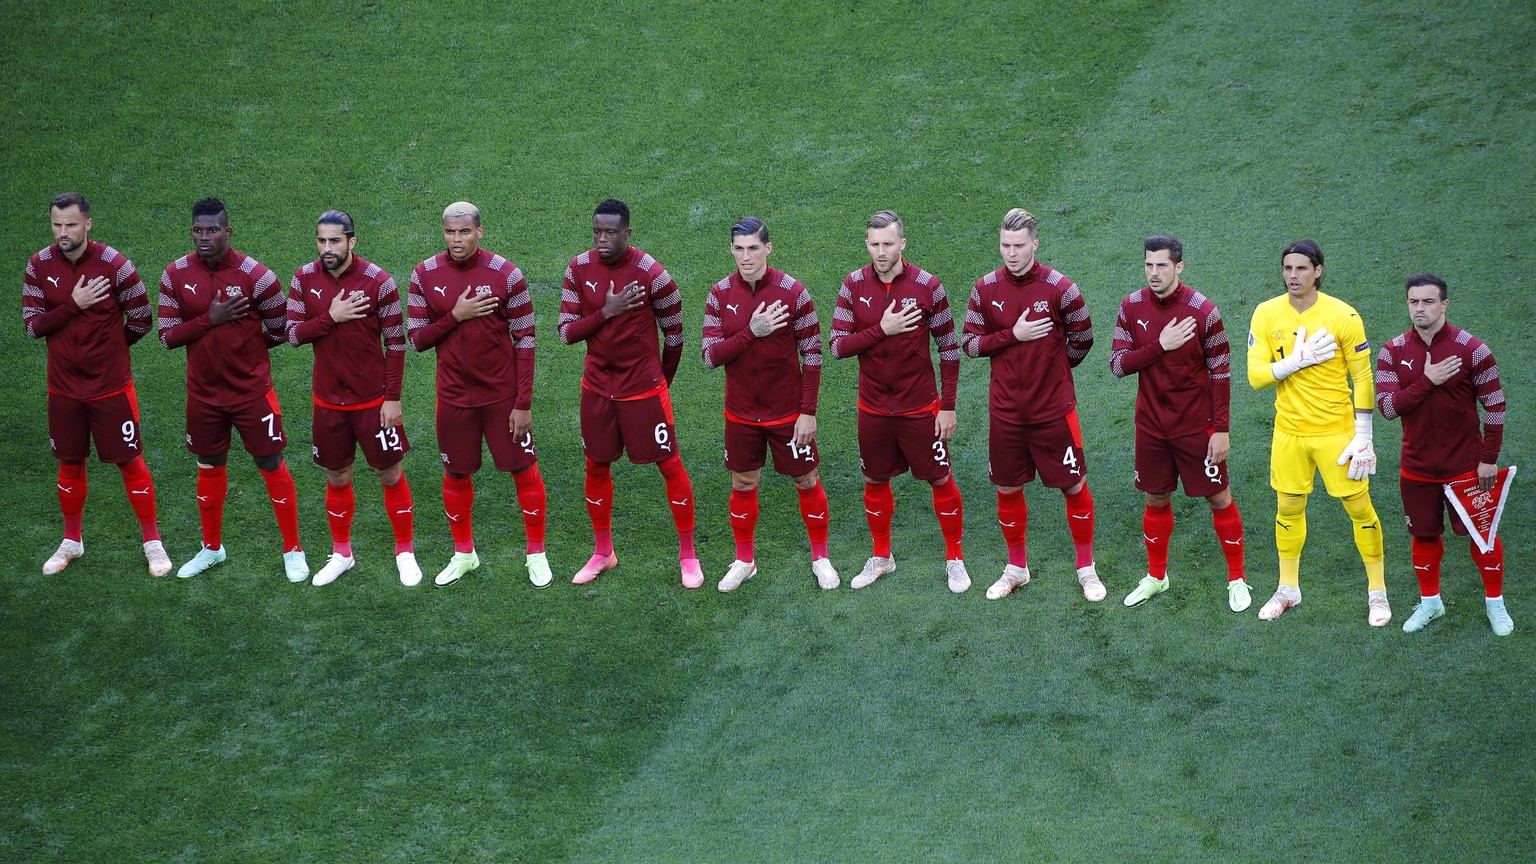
{"x":87,"y":348}
{"x":226,"y":364}
{"x":896,"y":372}
{"x":351,"y":371}
{"x":481,"y":360}
{"x":1031,"y":381}
{"x":622,"y":354}
{"x":772,"y":379}
{"x":1183,"y":391}
{"x":1441,"y":439}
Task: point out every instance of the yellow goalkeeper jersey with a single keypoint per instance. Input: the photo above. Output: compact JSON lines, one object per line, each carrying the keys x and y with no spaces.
{"x":1315,"y":400}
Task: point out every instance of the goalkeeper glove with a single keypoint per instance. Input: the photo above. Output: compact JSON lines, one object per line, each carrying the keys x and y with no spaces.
{"x":1308,"y":351}
{"x":1360,"y":455}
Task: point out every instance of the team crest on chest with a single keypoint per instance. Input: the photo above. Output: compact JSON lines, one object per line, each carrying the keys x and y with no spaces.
{"x":908,"y":302}
{"x":1042,"y":306}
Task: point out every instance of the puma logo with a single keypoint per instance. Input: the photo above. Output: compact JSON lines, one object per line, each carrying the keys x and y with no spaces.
{"x":336,"y":515}
{"x":949,"y":513}
{"x":998,"y":304}
{"x":592,"y":285}
{"x":1142,"y":323}
{"x":735,"y":515}
{"x":1421,"y":566}
{"x":530,"y":512}
{"x":597,"y":503}
{"x":54,"y":280}
{"x":1149,"y":539}
{"x":279,"y":501}
{"x":405,"y":511}
{"x":821,"y":516}
{"x":1407,"y":363}
{"x":451,"y":517}
{"x":1237,"y":542}
{"x":1006,"y":524}
{"x":315,"y":291}
{"x":1080,"y":515}
{"x":144,"y":491}
{"x":732,"y":307}
{"x":873,"y":512}
{"x":442,"y":291}
{"x":202,"y":499}
{"x":67,"y":490}
{"x":192,"y":289}
{"x":682,"y":503}
{"x":864,"y":300}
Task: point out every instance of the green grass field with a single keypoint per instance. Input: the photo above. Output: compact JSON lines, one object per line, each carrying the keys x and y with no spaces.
{"x":235,"y":717}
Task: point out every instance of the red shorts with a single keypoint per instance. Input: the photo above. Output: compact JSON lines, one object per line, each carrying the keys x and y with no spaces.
{"x":1054,"y":448}
{"x":259,"y":422}
{"x":460,"y":431}
{"x":889,"y":445}
{"x":1424,"y":506}
{"x":643,"y":426}
{"x":338,"y":434}
{"x":113,"y":421}
{"x":747,"y":448}
{"x":1162,"y":462}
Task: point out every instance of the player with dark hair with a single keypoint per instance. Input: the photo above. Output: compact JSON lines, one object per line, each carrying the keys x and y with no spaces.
{"x":347,"y":306}
{"x":473,"y":306}
{"x":1032,"y":323}
{"x":760,"y":324}
{"x":886,"y":313}
{"x":1172,"y":339}
{"x":1322,"y":424}
{"x":1433,"y":377}
{"x":228,"y":310}
{"x":87,"y":301}
{"x":614,"y":298}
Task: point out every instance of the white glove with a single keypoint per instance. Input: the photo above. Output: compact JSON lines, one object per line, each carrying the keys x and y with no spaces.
{"x":1360,"y":455}
{"x":1308,"y":351}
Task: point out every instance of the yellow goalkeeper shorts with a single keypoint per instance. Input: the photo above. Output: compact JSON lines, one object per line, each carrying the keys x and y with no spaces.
{"x":1294,"y":458}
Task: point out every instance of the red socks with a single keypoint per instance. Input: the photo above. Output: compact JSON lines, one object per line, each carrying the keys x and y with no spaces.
{"x":1229,"y":530}
{"x":1080,"y":523}
{"x":72,"y":497}
{"x":951,"y":512}
{"x":1490,"y":566}
{"x":680,"y":498}
{"x":340,"y":503}
{"x":141,"y":496}
{"x":532,"y":499}
{"x":599,"y":489}
{"x":879,"y":502}
{"x":814,"y":513}
{"x":212,"y":487}
{"x":1156,"y":527}
{"x":284,"y":504}
{"x":459,"y":504}
{"x":1426,"y":553}
{"x":1013,"y":516}
{"x":397,"y":503}
{"x":744,"y":523}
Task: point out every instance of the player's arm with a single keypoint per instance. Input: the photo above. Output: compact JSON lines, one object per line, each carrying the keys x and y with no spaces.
{"x":716,"y":348}
{"x":941,"y":327}
{"x":1490,"y":394}
{"x":133,"y":299}
{"x":272,"y":306}
{"x":1393,"y":400}
{"x":174,"y":332}
{"x":1079,"y":326}
{"x":1124,"y":357}
{"x":574,"y":325}
{"x":1261,"y":371}
{"x":667,"y":307}
{"x":807,"y":330}
{"x":39,"y":320}
{"x":422,"y":329}
{"x":302,"y":329}
{"x":392,"y":329}
{"x":845,"y":341}
{"x":1360,"y":454}
{"x":520,"y":326}
{"x":975,"y":338}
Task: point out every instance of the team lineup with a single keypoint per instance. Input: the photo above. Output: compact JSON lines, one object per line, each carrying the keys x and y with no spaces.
{"x":473,"y":308}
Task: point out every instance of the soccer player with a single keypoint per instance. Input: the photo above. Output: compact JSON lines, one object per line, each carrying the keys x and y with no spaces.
{"x":1433,"y":377}
{"x":473,"y":307}
{"x":1033,"y":324}
{"x":344,"y":305}
{"x":1172,"y":338}
{"x":614,"y":298}
{"x":87,"y":301}
{"x":886,"y":312}
{"x":760,"y":324}
{"x":1294,"y":344}
{"x":228,"y":310}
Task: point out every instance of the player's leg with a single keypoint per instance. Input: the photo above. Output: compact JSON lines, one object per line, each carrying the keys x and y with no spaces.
{"x":1155,"y":475}
{"x":917,"y":438}
{"x":602,"y":444}
{"x":1355,"y":495}
{"x":518,"y":457}
{"x":650,"y":435}
{"x":334,"y":447}
{"x":743,"y":517}
{"x":1057,"y":449}
{"x":1228,"y":523}
{"x":260,"y":424}
{"x":1291,"y":470}
{"x":881,"y":459}
{"x":68,"y":438}
{"x":400,"y":509}
{"x":114,"y":422}
{"x":460,"y":431}
{"x":1424,"y":508}
{"x":1010,"y":467}
{"x":799,"y":463}
{"x":208,"y":430}
{"x":950,"y":510}
{"x":1490,"y":566}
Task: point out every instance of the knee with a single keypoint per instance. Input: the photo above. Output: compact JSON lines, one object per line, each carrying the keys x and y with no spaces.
{"x":340,"y":477}
{"x":213,"y":461}
{"x":1220,"y":501}
{"x":269,"y":463}
{"x":389,"y":476}
{"x":806,"y":482}
{"x":745,"y":481}
{"x":1159,"y":501}
{"x":1291,"y":506}
{"x":1359,"y":507}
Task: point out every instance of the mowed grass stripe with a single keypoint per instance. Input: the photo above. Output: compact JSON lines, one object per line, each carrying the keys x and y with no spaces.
{"x":902,"y":724}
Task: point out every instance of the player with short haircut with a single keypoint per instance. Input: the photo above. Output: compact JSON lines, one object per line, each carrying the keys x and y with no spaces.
{"x":228,"y":310}
{"x":760,"y":324}
{"x":1294,"y":343}
{"x":85,"y":299}
{"x":886,"y":313}
{"x":1172,"y":339}
{"x":1433,"y":377}
{"x":345,"y":305}
{"x":473,"y":306}
{"x":1033,"y":324}
{"x":614,"y":298}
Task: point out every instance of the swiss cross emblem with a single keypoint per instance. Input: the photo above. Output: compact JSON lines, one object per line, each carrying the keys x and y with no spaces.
{"x":908,"y":302}
{"x":1482,"y":500}
{"x":1042,"y":306}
